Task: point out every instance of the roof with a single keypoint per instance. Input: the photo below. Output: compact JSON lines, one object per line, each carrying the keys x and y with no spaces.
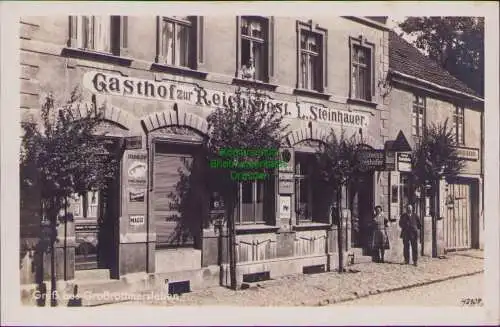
{"x":407,"y":59}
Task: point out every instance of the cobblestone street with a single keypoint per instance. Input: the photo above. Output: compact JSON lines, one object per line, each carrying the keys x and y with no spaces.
{"x":328,"y":288}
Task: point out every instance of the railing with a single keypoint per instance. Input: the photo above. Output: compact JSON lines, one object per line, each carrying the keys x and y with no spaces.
{"x":306,"y":246}
{"x":255,"y":250}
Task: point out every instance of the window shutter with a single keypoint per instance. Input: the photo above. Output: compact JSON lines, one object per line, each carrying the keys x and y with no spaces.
{"x":200,"y":28}
{"x":124,"y":36}
{"x":73,"y":31}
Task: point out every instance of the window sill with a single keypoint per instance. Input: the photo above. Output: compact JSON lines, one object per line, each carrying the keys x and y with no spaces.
{"x":362,"y":102}
{"x":254,"y":83}
{"x":103,"y":57}
{"x":178,"y":70}
{"x":310,"y":226}
{"x":251,"y":228}
{"x":311,"y":93}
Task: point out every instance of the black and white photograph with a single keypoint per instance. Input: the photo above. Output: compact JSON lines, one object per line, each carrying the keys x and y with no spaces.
{"x":214,"y":157}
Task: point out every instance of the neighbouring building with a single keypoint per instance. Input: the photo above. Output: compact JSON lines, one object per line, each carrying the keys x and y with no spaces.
{"x":157,"y":79}
{"x":422,"y":92}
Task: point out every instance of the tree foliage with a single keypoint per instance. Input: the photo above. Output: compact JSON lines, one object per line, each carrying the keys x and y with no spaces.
{"x":457,"y":43}
{"x":246,"y":124}
{"x":435,"y":155}
{"x":62,"y":155}
{"x":337,"y":161}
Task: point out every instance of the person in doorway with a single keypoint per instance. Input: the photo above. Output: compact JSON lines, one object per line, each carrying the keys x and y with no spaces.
{"x":410,"y":227}
{"x":380,"y":240}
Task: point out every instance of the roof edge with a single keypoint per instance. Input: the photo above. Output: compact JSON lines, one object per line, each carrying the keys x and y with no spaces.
{"x":368,"y":22}
{"x":443,"y":88}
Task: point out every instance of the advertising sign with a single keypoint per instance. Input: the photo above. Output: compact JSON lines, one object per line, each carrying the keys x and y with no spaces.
{"x":137,"y":220}
{"x":404,"y":162}
{"x":285,"y":204}
{"x":372,"y":159}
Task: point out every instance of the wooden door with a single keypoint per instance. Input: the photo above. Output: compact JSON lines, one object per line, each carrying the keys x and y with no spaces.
{"x":457,"y":224}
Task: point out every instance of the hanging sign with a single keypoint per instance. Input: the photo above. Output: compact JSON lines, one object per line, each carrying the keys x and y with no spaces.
{"x":404,"y":162}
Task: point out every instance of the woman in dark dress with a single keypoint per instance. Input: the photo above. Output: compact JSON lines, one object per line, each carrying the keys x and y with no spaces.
{"x":380,"y":240}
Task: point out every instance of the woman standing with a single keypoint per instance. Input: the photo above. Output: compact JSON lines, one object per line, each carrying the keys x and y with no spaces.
{"x":380,"y":240}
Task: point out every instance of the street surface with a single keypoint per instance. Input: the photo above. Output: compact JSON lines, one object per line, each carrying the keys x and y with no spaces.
{"x":447,"y":293}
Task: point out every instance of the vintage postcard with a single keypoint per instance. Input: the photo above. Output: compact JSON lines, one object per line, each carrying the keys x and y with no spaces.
{"x":289,"y":163}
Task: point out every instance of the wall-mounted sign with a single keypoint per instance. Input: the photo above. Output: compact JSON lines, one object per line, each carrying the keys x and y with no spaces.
{"x":467,"y":153}
{"x":372,"y":159}
{"x":110,"y":84}
{"x":137,"y":168}
{"x":86,"y":228}
{"x":286,"y":158}
{"x":133,"y":142}
{"x":136,"y":220}
{"x":136,"y":195}
{"x":404,"y":162}
{"x":285,"y":206}
{"x":390,"y":160}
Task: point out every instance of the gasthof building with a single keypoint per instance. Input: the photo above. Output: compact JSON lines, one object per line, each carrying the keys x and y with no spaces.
{"x":157,"y":79}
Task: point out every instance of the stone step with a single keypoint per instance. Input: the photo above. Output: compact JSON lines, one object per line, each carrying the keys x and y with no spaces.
{"x":92,"y":274}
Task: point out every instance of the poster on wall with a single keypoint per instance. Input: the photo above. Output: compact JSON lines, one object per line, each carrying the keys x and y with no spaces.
{"x":136,"y":195}
{"x":137,"y":168}
{"x":285,"y":205}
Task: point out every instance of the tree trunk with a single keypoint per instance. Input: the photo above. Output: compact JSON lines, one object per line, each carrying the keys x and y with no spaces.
{"x":340,"y":232}
{"x":232,"y":243}
{"x":53,"y":288}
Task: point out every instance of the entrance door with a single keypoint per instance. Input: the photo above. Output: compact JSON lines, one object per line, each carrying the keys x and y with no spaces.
{"x":457,"y":224}
{"x":177,"y":210}
{"x":362,"y":210}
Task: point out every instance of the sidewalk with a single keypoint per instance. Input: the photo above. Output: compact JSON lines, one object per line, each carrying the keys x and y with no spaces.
{"x":326,"y":288}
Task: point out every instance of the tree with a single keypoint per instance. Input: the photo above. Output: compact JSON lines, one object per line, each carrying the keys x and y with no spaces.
{"x":457,"y":43}
{"x":243,"y":124}
{"x":434,"y":157}
{"x":337,"y":166}
{"x":62,"y":155}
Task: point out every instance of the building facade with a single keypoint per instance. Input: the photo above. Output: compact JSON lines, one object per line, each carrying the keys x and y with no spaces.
{"x":156,"y":79}
{"x":422,"y":94}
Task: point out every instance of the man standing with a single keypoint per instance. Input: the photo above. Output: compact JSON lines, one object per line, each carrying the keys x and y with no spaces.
{"x":410,"y":226}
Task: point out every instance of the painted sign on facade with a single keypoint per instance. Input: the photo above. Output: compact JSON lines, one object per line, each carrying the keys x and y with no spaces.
{"x":109,"y":84}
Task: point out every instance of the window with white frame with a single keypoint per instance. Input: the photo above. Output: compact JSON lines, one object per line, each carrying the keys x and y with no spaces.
{"x":418,"y":116}
{"x":85,"y":205}
{"x":177,"y":38}
{"x":312,"y":57}
{"x":458,"y":125}
{"x":105,"y":34}
{"x":361,"y":74}
{"x":255,"y":202}
{"x":254,"y":48}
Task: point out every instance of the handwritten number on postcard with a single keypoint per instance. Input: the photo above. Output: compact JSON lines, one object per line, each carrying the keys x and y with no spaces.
{"x":472,"y":301}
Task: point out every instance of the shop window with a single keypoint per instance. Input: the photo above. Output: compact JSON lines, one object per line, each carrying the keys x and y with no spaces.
{"x":312,"y":57}
{"x":255,"y":202}
{"x":362,"y":70}
{"x":418,"y":116}
{"x":105,"y":34}
{"x":85,"y":205}
{"x":254,"y":32}
{"x":458,"y":125}
{"x":310,"y":197}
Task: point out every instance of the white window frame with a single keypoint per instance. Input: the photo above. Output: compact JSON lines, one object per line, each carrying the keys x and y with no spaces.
{"x":101,"y":27}
{"x":459,"y":124}
{"x":195,"y":48}
{"x":418,"y":114}
{"x":322,"y":35}
{"x":370,"y":48}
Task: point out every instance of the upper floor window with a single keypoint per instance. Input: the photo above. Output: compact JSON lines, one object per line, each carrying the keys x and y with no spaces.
{"x":255,"y":202}
{"x":106,"y":34}
{"x":254,"y":48}
{"x":180,"y":41}
{"x":458,"y":125}
{"x":418,"y":116}
{"x":362,"y":70}
{"x":312,"y":57}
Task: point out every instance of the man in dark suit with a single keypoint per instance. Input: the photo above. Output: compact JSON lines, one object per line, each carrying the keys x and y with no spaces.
{"x":410,"y":226}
